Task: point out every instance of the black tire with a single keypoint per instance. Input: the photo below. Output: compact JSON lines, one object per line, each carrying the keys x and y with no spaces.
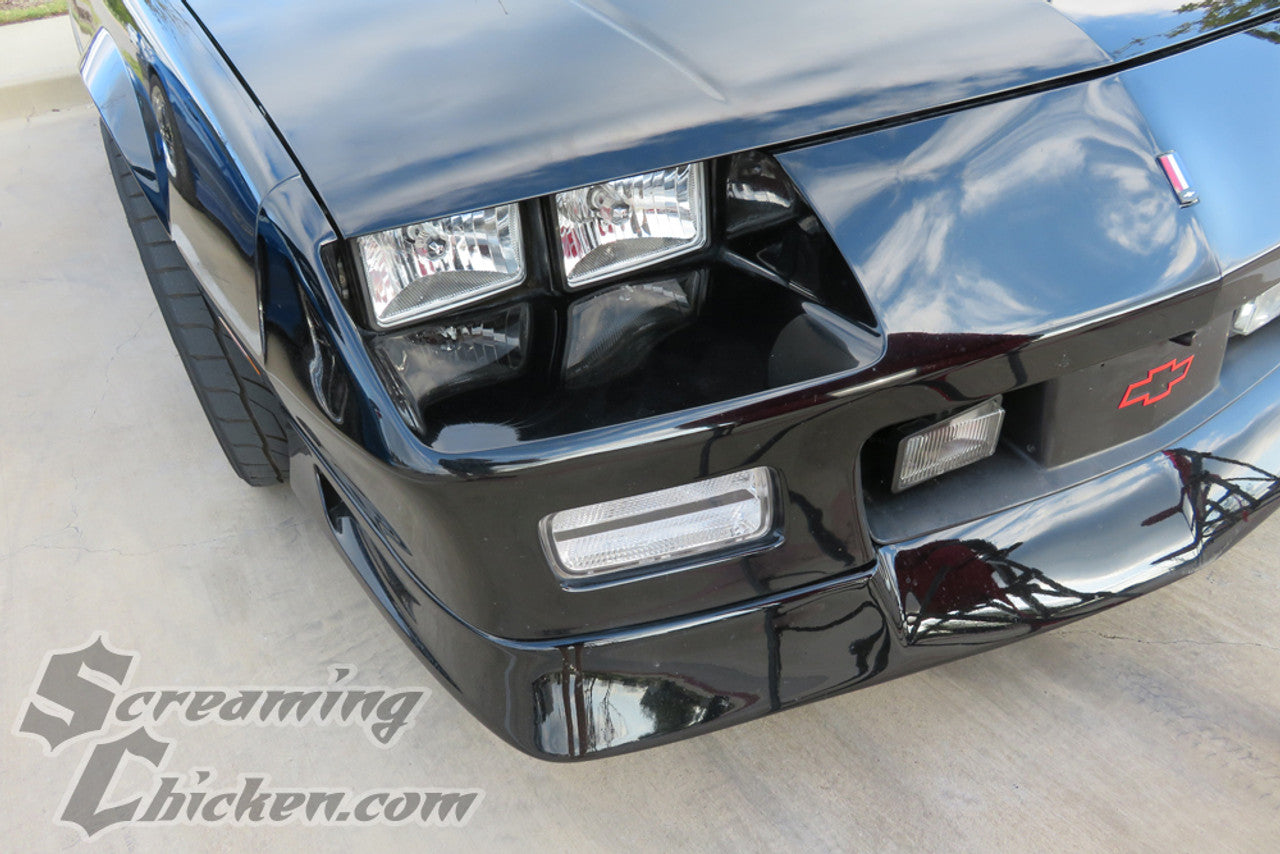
{"x":245,"y":414}
{"x":175,"y":152}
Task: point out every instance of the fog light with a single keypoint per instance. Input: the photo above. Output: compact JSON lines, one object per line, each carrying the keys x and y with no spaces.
{"x":661,"y":527}
{"x":948,"y":445}
{"x":1252,"y":316}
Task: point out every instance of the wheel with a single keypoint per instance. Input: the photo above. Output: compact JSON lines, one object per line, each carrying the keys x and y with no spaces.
{"x":175,"y":152}
{"x":245,"y":414}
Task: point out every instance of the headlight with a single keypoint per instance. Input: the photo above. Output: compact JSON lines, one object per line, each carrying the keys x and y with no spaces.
{"x":611,"y":331}
{"x":433,"y":266}
{"x":620,"y":225}
{"x":435,"y":360}
{"x":757,"y":193}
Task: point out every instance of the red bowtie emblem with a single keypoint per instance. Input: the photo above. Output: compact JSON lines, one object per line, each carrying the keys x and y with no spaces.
{"x":1159,"y":383}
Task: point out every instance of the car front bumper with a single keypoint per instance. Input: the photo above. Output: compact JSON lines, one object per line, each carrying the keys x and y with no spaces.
{"x":863,"y":586}
{"x":920,"y":602}
{"x":1004,"y":244}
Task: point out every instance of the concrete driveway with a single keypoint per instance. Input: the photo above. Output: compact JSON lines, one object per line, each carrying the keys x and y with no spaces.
{"x":1155,"y":726}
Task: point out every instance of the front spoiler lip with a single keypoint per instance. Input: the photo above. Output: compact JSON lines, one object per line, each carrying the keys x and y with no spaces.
{"x":928,"y":600}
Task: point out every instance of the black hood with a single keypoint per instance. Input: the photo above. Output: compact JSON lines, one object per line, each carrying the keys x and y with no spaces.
{"x":401,"y":110}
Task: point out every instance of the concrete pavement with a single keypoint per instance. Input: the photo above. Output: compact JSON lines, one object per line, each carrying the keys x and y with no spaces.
{"x":1155,"y":726}
{"x":39,"y":68}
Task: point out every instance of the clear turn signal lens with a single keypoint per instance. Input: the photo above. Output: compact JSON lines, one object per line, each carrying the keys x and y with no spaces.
{"x":661,"y":527}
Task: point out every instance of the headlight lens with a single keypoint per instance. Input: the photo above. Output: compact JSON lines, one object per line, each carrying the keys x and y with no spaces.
{"x":620,"y":225}
{"x":611,"y":331}
{"x":757,"y":193}
{"x":433,"y":266}
{"x":433,"y":361}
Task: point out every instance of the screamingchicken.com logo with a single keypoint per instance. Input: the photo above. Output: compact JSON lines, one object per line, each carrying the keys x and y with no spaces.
{"x":83,"y":696}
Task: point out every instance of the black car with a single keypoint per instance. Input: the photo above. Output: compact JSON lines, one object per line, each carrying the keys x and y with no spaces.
{"x":660,"y":366}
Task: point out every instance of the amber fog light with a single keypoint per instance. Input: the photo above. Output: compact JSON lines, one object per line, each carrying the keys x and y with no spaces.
{"x":735,"y":510}
{"x":948,"y":445}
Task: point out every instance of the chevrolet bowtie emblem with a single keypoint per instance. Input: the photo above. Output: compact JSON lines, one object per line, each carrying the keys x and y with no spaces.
{"x":1159,"y":383}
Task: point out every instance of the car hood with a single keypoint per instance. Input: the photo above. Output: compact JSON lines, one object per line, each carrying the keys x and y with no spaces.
{"x":399,"y":110}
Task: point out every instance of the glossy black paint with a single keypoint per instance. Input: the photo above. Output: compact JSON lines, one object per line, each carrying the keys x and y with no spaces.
{"x":1176,"y":509}
{"x":1217,"y":106}
{"x":498,"y":111}
{"x":1130,"y":28}
{"x":991,"y":244}
{"x":1005,"y":218}
{"x":230,"y":155}
{"x":930,"y":600}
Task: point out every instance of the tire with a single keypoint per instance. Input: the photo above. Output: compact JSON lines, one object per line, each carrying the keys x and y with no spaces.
{"x":175,"y":152}
{"x":245,"y":414}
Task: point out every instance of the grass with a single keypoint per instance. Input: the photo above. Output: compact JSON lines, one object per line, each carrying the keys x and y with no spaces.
{"x":13,"y":13}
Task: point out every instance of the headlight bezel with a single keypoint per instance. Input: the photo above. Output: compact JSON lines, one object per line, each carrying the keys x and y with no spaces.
{"x":765,"y":252}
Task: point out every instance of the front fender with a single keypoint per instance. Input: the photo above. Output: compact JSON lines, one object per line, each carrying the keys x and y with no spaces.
{"x":200,"y":148}
{"x":118,"y":89}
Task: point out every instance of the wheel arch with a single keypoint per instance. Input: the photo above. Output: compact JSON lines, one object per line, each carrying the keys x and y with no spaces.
{"x":117,"y":85}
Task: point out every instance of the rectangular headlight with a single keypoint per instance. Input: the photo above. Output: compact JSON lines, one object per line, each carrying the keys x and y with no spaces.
{"x":609,"y":228}
{"x":433,"y":266}
{"x":435,"y":360}
{"x":612,"y":331}
{"x":660,"y":527}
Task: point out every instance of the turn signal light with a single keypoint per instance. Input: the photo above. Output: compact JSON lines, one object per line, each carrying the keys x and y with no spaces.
{"x":670,"y":525}
{"x":1252,"y":316}
{"x":950,"y":444}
